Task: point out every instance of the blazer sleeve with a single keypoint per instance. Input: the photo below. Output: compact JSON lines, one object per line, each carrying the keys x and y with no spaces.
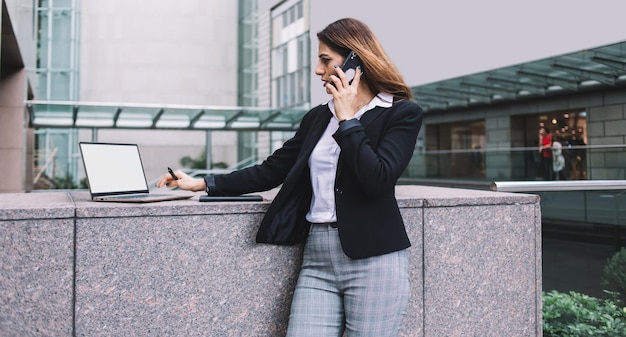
{"x":377,"y":169}
{"x":265,"y":176}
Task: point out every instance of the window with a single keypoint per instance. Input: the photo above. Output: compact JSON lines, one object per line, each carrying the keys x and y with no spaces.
{"x":290,"y":56}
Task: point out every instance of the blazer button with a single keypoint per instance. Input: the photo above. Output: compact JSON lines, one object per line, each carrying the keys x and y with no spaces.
{"x":339,"y":191}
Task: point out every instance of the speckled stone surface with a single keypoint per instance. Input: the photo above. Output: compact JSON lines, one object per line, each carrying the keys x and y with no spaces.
{"x":183,"y":268}
{"x":36,"y":264}
{"x":475,"y":262}
{"x":199,"y":275}
{"x":479,"y":271}
{"x":44,"y":205}
{"x":413,"y":321}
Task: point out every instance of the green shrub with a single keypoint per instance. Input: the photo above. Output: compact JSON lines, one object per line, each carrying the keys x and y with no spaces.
{"x":194,"y":163}
{"x":577,"y":315}
{"x":614,"y":276}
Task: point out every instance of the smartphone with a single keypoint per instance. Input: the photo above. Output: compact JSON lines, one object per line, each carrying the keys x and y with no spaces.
{"x":349,"y":65}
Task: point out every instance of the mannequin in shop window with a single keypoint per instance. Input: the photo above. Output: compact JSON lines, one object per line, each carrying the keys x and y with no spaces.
{"x":558,"y":161}
{"x":545,"y":150}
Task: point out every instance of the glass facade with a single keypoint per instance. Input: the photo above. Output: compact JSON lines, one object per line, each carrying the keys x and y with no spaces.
{"x":290,"y":57}
{"x":568,"y":128}
{"x":57,"y":80}
{"x":459,"y":150}
{"x":455,"y":150}
{"x":290,"y":61}
{"x":248,"y":81}
{"x":57,"y":55}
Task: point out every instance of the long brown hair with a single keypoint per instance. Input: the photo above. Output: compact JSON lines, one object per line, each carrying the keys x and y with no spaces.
{"x":379,"y":73}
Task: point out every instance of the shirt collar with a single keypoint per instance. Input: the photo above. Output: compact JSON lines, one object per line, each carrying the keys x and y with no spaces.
{"x":383,"y":100}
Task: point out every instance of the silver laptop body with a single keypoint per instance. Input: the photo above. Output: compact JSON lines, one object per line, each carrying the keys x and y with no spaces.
{"x":115,"y":173}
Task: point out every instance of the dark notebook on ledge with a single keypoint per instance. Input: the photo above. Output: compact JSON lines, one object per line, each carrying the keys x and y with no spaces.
{"x":115,"y":173}
{"x":246,"y":197}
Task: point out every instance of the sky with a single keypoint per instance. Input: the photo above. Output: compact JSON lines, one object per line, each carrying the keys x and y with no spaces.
{"x":436,"y":40}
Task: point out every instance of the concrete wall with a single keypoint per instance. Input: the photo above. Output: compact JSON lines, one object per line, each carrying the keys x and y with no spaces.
{"x":161,"y":53}
{"x":72,"y":266}
{"x":497,"y":129}
{"x":606,"y":125}
{"x":13,"y":127}
{"x":16,"y":53}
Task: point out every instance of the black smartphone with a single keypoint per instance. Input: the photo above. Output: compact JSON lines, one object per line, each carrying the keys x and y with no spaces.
{"x":349,"y":65}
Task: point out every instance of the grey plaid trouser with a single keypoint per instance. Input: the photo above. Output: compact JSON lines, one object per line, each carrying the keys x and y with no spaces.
{"x":365,"y":297}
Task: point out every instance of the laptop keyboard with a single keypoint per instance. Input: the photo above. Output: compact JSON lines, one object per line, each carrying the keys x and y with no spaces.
{"x":136,"y":196}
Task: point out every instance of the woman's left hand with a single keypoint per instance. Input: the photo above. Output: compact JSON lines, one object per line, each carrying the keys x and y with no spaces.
{"x":344,"y":93}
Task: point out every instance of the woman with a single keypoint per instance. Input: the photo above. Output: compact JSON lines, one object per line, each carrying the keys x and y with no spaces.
{"x":338,"y":175}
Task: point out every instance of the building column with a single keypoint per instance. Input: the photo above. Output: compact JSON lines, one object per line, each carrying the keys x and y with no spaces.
{"x":209,"y":150}
{"x":14,"y":135}
{"x":498,"y":158}
{"x":605,"y":127}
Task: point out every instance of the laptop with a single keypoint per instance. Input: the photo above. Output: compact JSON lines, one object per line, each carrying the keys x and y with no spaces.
{"x":115,"y":173}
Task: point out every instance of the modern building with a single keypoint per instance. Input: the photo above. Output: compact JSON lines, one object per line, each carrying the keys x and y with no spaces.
{"x":232,"y":78}
{"x":485,"y":125}
{"x":17,"y":49}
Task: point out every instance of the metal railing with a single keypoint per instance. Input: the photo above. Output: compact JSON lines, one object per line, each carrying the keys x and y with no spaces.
{"x":558,"y":186}
{"x":591,"y":202}
{"x":581,"y":162}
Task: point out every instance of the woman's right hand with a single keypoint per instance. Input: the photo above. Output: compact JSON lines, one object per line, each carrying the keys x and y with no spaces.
{"x":345,"y":93}
{"x":184,"y":182}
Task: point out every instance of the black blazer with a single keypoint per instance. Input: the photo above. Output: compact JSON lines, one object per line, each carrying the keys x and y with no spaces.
{"x":375,"y":150}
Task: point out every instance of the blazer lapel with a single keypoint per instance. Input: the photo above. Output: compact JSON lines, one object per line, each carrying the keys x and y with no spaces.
{"x":370,"y":116}
{"x":316,"y":132}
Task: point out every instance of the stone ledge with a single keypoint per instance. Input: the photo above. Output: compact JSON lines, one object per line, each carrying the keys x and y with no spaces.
{"x":189,"y":268}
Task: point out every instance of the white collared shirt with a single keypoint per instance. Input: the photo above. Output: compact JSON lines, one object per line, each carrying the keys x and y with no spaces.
{"x":323,"y":164}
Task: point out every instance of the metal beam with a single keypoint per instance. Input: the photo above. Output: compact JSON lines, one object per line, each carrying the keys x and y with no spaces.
{"x":195,"y":118}
{"x":231,"y":120}
{"x":518,"y":85}
{"x":564,"y":83}
{"x":116,"y":116}
{"x":269,"y":118}
{"x":467,"y":93}
{"x":557,"y":186}
{"x":599,"y":76}
{"x":74,"y":115}
{"x":492,"y":90}
{"x":451,"y":96}
{"x":616,"y":64}
{"x":31,"y":114}
{"x":157,"y":117}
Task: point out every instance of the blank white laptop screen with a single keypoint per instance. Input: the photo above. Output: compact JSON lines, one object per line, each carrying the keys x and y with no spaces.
{"x":115,"y":173}
{"x":113,"y":168}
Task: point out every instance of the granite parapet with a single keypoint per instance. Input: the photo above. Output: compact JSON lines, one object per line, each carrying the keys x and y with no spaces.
{"x":71,"y":266}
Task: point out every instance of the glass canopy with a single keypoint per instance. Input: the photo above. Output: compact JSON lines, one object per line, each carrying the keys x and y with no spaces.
{"x":584,"y":70}
{"x":58,"y":114}
{"x":590,"y":69}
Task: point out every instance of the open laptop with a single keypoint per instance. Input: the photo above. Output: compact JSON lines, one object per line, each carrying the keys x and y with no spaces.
{"x":115,"y":173}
